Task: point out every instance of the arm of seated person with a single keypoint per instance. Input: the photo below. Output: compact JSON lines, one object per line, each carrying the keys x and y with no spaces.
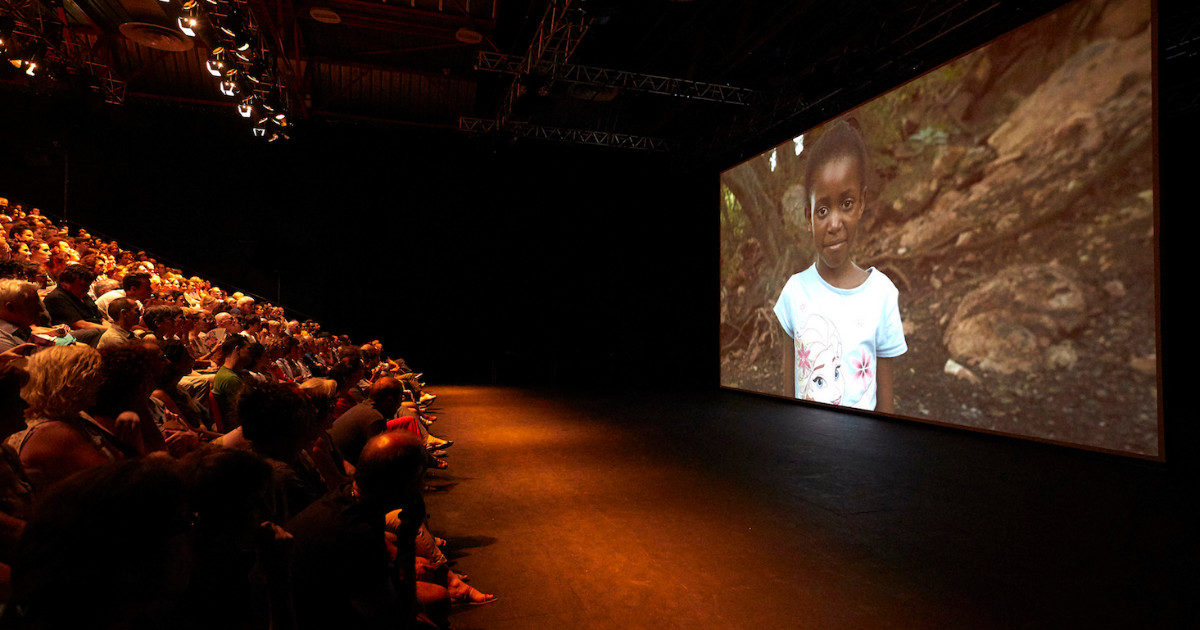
{"x":85,"y":324}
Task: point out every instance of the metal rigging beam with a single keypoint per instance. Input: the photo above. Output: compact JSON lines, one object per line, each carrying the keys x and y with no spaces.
{"x":621,"y":79}
{"x":593,"y":137}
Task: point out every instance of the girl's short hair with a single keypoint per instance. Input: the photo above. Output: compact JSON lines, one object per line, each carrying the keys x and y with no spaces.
{"x":843,"y":139}
{"x":63,"y":380}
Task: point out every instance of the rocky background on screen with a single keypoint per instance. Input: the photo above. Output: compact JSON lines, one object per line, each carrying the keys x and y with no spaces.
{"x":1012,"y":202}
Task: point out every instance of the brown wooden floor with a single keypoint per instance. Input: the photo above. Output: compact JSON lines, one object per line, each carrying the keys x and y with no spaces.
{"x":723,"y":510}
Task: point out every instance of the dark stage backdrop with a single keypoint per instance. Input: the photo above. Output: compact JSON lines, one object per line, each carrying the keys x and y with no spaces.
{"x":476,"y":260}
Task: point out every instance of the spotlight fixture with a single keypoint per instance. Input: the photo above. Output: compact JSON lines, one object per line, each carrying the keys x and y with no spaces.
{"x":257,"y":73}
{"x":232,"y":25}
{"x":216,"y":62}
{"x":229,"y":87}
{"x":245,"y":109}
{"x":189,"y":19}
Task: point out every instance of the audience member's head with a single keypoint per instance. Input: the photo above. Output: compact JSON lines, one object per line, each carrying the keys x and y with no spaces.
{"x":19,"y":302}
{"x":160,"y":320}
{"x":386,"y":394}
{"x":233,"y":349}
{"x":124,"y":312}
{"x":388,"y":472}
{"x":179,"y":362}
{"x":227,"y":490}
{"x":63,"y":380}
{"x":346,"y":374}
{"x":137,"y":286}
{"x":276,"y":420}
{"x":129,"y":375}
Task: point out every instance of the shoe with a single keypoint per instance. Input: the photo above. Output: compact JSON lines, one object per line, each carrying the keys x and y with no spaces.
{"x":427,"y":398}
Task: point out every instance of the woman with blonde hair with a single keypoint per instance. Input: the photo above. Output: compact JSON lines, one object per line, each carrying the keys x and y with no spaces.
{"x":60,"y":439}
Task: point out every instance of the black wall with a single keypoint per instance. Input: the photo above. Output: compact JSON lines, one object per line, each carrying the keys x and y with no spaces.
{"x":478,"y":260}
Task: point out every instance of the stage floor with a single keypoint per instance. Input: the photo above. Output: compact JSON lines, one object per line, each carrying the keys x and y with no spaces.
{"x":725,"y":510}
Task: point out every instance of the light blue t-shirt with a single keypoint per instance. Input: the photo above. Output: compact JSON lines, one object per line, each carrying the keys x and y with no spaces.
{"x":839,"y":334}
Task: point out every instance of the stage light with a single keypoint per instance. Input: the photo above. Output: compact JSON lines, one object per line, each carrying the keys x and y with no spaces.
{"x":3,"y":46}
{"x":257,"y":72}
{"x":31,"y":68}
{"x":188,"y":25}
{"x":216,"y":62}
{"x":189,"y":19}
{"x":246,"y":107}
{"x":229,"y":87}
{"x":243,"y":52}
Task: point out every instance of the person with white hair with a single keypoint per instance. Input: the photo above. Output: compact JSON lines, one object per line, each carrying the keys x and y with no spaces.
{"x":20,"y":308}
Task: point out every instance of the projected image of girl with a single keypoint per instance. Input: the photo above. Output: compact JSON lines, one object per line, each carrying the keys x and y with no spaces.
{"x":844,"y":320}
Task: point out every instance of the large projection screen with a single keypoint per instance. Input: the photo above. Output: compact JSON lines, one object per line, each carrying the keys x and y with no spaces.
{"x":976,"y":247}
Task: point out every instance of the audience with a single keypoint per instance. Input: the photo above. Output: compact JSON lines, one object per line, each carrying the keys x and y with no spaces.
{"x":177,"y":456}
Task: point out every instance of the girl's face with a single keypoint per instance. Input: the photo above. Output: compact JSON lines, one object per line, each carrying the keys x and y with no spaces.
{"x":837,"y":206}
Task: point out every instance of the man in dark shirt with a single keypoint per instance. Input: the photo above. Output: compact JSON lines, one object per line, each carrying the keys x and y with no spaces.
{"x":341,"y":565}
{"x":69,"y":303}
{"x":368,"y":418}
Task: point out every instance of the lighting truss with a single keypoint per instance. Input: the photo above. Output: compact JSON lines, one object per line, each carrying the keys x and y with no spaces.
{"x":62,"y":50}
{"x":621,"y":79}
{"x":591,"y":137}
{"x":558,"y":34}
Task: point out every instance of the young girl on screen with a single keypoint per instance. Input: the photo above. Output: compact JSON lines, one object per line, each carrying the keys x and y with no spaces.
{"x":844,"y":320}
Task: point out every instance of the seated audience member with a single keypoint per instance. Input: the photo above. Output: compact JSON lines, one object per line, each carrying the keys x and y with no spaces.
{"x":353,"y":428}
{"x":123,"y":404}
{"x":279,"y":425}
{"x":320,"y":392}
{"x":289,"y":364}
{"x":241,"y":575}
{"x":230,"y":379}
{"x":259,"y":369}
{"x":135,"y":286}
{"x":100,"y":287}
{"x":124,"y":314}
{"x":197,"y":334}
{"x":244,"y":305}
{"x":346,"y":374}
{"x":189,"y":414}
{"x":69,"y":303}
{"x":342,"y":575}
{"x":160,"y":322}
{"x":226,"y":325}
{"x":19,"y":311}
{"x":253,"y":329}
{"x":59,"y":440}
{"x":109,"y":549}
